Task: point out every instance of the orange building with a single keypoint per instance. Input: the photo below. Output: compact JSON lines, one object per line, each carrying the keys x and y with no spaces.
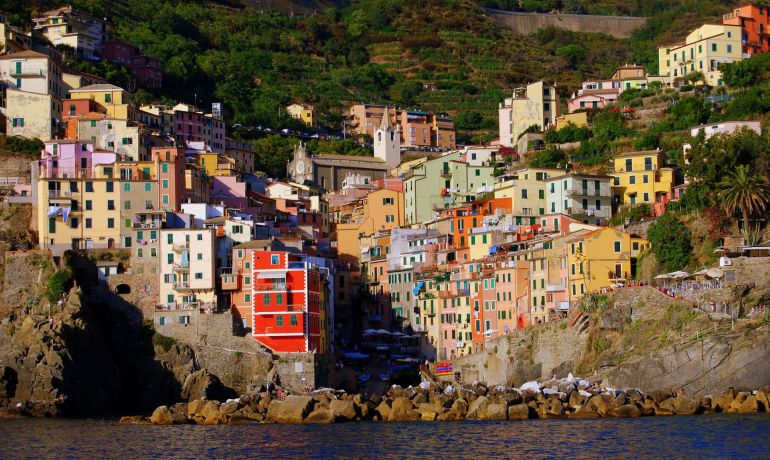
{"x":754,"y":21}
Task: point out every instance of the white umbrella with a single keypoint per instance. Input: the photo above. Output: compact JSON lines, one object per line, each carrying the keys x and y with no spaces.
{"x":678,"y":274}
{"x":382,"y":331}
{"x":662,"y":277}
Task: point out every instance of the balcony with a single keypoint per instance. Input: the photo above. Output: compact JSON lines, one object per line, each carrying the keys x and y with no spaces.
{"x":589,"y":193}
{"x":180,"y":247}
{"x":555,"y":288}
{"x":27,"y":71}
{"x":446,"y":173}
{"x":206,"y":307}
{"x":270,"y":287}
{"x":60,"y":194}
{"x":181,"y":267}
{"x":181,"y":285}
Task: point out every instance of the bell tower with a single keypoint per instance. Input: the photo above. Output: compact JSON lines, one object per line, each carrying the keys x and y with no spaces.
{"x":387,"y":142}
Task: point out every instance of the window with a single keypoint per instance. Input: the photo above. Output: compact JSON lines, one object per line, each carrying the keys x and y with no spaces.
{"x":111,"y":205}
{"x":74,"y":222}
{"x":109,"y":185}
{"x":279,"y":299}
{"x":127,"y":223}
{"x":293,"y":319}
{"x":632,"y":180}
{"x":110,"y":223}
{"x":199,"y":276}
{"x":274,"y":259}
{"x":17,"y":122}
{"x":127,"y":187}
{"x":164,"y":167}
{"x":89,"y":205}
{"x":387,"y":201}
{"x":646,"y":196}
{"x":89,"y":186}
{"x":645,"y":178}
{"x":279,"y":320}
{"x":127,"y":204}
{"x":617,"y":246}
{"x":170,"y":258}
{"x":713,"y":47}
{"x":524,"y":193}
{"x":88,"y":222}
{"x":478,"y":172}
{"x":200,"y":256}
{"x":127,"y":141}
{"x":199,"y":237}
{"x":541,"y":194}
{"x":729,"y":47}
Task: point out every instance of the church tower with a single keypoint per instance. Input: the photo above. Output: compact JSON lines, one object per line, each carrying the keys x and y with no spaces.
{"x":387,"y":142}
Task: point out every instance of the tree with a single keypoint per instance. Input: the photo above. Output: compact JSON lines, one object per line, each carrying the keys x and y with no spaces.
{"x":670,"y":241}
{"x":468,"y":120}
{"x":745,"y":192}
{"x":573,"y":53}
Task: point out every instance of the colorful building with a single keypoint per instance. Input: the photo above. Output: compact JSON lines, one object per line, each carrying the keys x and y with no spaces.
{"x":536,"y":104}
{"x":187,"y":271}
{"x":67,"y":26}
{"x":303,"y":113}
{"x":378,"y":211}
{"x":584,"y":197}
{"x":417,"y":128}
{"x":704,"y":50}
{"x":641,"y":177}
{"x":115,"y":100}
{"x":754,"y":21}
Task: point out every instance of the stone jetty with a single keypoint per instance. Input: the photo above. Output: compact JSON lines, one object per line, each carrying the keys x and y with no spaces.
{"x":440,"y":401}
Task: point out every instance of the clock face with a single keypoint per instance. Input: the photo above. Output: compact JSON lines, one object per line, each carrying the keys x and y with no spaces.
{"x":300,"y":167}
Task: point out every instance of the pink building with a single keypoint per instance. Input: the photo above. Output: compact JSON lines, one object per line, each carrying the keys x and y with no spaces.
{"x":592,"y":99}
{"x":229,"y":192}
{"x":191,"y":125}
{"x":71,"y":158}
{"x":146,"y":69}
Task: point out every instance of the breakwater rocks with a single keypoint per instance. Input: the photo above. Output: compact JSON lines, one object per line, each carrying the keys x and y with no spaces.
{"x":444,"y":402}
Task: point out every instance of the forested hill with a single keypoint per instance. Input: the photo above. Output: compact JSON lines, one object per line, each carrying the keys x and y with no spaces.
{"x":439,"y":55}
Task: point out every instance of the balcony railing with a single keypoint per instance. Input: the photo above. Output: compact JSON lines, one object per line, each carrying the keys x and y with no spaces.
{"x":272,"y":287}
{"x":151,"y":224}
{"x":60,"y":193}
{"x":602,"y":192}
{"x":178,"y":285}
{"x":27,"y":71}
{"x":181,"y":267}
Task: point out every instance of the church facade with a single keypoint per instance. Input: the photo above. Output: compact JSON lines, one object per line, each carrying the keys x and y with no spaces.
{"x":328,"y":171}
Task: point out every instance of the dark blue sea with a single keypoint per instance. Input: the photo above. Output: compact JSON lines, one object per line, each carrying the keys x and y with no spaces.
{"x":706,"y":436}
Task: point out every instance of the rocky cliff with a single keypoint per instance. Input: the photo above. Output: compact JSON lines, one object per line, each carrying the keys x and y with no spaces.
{"x":638,"y":338}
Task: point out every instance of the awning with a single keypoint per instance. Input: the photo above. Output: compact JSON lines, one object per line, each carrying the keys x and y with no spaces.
{"x":272,"y":274}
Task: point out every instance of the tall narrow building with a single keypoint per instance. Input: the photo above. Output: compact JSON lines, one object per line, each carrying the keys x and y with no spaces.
{"x":387,"y":142}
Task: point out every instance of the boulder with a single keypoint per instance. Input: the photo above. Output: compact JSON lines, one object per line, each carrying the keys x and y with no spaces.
{"x":344,"y":411}
{"x":178,"y":418}
{"x":665,"y":407}
{"x":161,"y":416}
{"x":601,"y":404}
{"x":518,"y":412}
{"x":383,"y":410}
{"x":273,"y":410}
{"x":228,"y":408}
{"x":134,"y":420}
{"x":429,"y":412}
{"x":626,"y":410}
{"x":584,"y":412}
{"x":744,"y":403}
{"x":210,"y":413}
{"x":179,"y":408}
{"x":685,"y":405}
{"x":402,"y":410}
{"x":321,"y":416}
{"x":477,"y":407}
{"x":294,"y":409}
{"x":460,"y":408}
{"x":204,"y":385}
{"x":494,"y":412}
{"x":195,"y":407}
{"x":366,"y":409}
{"x":722,"y":402}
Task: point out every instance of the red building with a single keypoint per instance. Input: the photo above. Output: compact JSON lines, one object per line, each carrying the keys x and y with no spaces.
{"x":755,"y":22}
{"x":284,"y":292}
{"x":146,"y":69}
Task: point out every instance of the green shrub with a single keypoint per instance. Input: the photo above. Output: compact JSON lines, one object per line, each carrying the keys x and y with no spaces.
{"x":670,"y":241}
{"x":631,"y":214}
{"x":57,"y":285}
{"x":163,"y":341}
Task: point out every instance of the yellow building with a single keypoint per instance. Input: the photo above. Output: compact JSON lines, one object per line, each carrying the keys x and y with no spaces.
{"x":640,"y":177}
{"x":81,"y":212}
{"x":704,"y":49}
{"x":380,"y":210}
{"x":113,"y":98}
{"x":216,"y":164}
{"x":598,"y":259}
{"x":303,"y":113}
{"x":579,"y":119}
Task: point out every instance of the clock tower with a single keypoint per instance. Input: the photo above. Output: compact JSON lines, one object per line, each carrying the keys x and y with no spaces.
{"x":387,"y":142}
{"x":300,"y":168}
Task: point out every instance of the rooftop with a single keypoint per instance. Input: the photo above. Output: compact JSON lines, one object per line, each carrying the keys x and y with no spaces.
{"x":97,"y":87}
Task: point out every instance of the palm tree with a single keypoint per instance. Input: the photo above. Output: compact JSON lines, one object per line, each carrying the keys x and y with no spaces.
{"x":745,"y":192}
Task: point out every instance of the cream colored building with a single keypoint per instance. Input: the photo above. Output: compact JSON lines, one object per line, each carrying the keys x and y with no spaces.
{"x":119,"y":136}
{"x":187,"y":267}
{"x":68,"y":26}
{"x":536,"y":104}
{"x":31,"y":115}
{"x":704,"y":49}
{"x":527,"y":190}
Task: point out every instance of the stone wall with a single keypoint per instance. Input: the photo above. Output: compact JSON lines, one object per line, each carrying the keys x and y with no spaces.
{"x":529,"y":23}
{"x":143,"y":290}
{"x":539,"y":352}
{"x":14,"y":164}
{"x":301,"y":370}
